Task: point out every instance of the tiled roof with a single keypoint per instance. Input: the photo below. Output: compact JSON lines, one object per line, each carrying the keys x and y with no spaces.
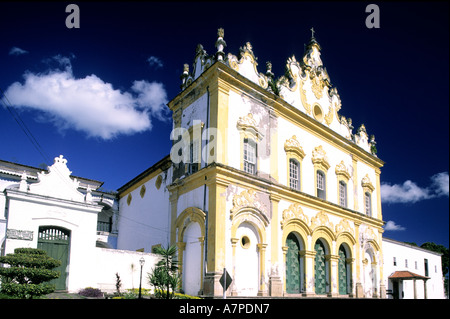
{"x":406,"y":275}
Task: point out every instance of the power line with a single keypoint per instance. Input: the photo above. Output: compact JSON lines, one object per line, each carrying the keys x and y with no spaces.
{"x":23,"y":126}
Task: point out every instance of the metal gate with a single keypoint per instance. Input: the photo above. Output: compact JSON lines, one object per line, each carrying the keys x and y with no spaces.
{"x":56,"y":242}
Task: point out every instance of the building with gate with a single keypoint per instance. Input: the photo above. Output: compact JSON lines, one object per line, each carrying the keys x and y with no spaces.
{"x":265,"y":178}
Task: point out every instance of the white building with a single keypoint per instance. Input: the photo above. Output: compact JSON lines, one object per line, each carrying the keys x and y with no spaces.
{"x":69,"y":218}
{"x":412,"y":272}
{"x":265,"y":179}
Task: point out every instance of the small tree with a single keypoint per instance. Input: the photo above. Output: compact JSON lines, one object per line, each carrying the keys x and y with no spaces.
{"x":29,"y":272}
{"x":118,"y":284}
{"x":165,"y":275}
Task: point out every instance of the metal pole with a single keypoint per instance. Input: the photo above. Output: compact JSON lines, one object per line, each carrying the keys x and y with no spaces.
{"x":140,"y":283}
{"x":224,"y":284}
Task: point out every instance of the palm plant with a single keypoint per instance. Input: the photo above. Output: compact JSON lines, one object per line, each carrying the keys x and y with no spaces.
{"x":165,"y":275}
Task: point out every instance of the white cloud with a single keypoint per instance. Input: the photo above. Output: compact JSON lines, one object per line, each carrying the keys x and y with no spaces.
{"x":392,"y":226}
{"x":154,"y":61}
{"x":17,"y":51}
{"x":152,"y":96}
{"x":410,"y":192}
{"x":89,"y":104}
{"x":440,"y":183}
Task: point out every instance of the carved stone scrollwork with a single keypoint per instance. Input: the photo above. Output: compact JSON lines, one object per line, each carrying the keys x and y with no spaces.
{"x":366,"y":183}
{"x":293,"y":145}
{"x":319,"y":157}
{"x":293,"y":212}
{"x":344,"y":226}
{"x":341,"y":169}
{"x":321,"y":219}
{"x":247,"y":198}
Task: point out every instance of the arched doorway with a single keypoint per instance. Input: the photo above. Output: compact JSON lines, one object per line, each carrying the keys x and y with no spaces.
{"x":370,"y":279}
{"x":343,"y":271}
{"x":192,"y":259}
{"x":56,"y":242}
{"x":247,"y":260}
{"x":320,"y":268}
{"x":294,"y":265}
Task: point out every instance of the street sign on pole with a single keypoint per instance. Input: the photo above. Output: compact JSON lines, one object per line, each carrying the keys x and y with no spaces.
{"x":225,"y":281}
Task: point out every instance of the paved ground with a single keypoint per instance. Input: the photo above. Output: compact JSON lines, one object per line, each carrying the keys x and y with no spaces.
{"x":62,"y":295}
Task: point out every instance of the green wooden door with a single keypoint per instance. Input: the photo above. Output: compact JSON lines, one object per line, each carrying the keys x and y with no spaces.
{"x":56,"y":242}
{"x":292,"y":265}
{"x":342,"y":269}
{"x":319,"y":267}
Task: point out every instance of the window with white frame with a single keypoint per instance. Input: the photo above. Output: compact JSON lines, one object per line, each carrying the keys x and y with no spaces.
{"x":342,"y":194}
{"x":321,"y":184}
{"x":249,"y":156}
{"x":294,"y":174}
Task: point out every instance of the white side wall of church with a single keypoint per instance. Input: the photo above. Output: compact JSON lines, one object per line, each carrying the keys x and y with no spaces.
{"x":195,"y":112}
{"x":145,"y":221}
{"x":193,"y":198}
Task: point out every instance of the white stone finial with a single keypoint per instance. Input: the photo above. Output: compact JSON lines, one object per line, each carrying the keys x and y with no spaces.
{"x":220,"y":44}
{"x":23,"y":186}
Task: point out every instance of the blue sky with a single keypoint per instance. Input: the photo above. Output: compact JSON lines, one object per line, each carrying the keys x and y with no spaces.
{"x":116,"y":73}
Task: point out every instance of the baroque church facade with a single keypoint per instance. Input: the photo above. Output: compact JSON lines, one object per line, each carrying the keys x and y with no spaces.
{"x":265,"y":179}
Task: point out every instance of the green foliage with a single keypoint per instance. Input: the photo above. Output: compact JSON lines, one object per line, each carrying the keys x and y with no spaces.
{"x":165,"y":275}
{"x":445,"y":259}
{"x":30,"y":270}
{"x":91,"y":292}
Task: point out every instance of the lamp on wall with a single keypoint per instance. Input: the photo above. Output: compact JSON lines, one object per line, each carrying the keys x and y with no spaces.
{"x":142,"y":262}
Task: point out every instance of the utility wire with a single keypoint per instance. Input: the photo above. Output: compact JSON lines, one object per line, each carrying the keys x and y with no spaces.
{"x":23,"y":126}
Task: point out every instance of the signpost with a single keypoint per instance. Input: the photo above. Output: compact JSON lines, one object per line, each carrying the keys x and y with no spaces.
{"x":225,"y":281}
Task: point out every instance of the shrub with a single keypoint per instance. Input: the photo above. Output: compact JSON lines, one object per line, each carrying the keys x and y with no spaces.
{"x":91,"y":292}
{"x":29,"y":272}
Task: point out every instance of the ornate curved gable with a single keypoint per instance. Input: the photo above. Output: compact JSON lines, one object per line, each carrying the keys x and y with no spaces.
{"x":246,"y":65}
{"x":57,"y":182}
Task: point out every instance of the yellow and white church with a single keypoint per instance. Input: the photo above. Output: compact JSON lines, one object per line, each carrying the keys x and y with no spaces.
{"x":272,"y":185}
{"x":265,"y":179}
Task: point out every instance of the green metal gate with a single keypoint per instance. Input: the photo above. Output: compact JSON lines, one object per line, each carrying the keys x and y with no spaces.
{"x":342,"y":268}
{"x":293,"y":278}
{"x":319,"y":267}
{"x":56,"y":242}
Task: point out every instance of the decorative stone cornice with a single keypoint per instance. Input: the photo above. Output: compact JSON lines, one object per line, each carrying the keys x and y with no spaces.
{"x":293,"y":145}
{"x":319,"y":157}
{"x":248,"y":124}
{"x":367,"y":184}
{"x":341,"y":169}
